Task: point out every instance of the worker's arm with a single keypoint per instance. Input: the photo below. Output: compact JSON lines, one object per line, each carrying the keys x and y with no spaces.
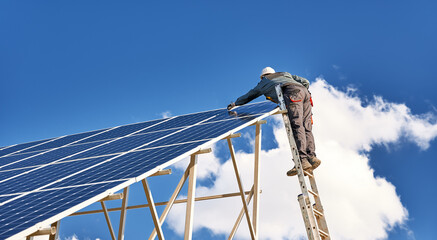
{"x":252,"y":94}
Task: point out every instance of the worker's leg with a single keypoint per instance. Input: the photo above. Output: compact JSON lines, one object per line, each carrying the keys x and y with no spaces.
{"x":307,"y":123}
{"x":310,"y":147}
{"x":294,"y":99}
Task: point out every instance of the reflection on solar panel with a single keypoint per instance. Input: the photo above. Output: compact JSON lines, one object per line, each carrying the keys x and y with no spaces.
{"x":44,"y":181}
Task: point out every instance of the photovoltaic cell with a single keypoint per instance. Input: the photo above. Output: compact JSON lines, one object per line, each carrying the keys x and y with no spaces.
{"x":7,"y":160}
{"x":20,"y":147}
{"x":121,"y":131}
{"x":51,"y":156}
{"x":10,"y":173}
{"x":41,"y":179}
{"x":62,"y":141}
{"x":34,"y":178}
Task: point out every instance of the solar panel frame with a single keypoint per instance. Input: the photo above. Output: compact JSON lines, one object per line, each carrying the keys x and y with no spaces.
{"x":248,"y":118}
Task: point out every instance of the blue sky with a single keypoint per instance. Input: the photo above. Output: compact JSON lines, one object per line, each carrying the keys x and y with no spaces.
{"x":74,"y":66}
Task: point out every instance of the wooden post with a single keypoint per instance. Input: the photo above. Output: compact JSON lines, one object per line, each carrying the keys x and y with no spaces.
{"x":153,"y":209}
{"x":256,"y":179}
{"x":190,"y":198}
{"x":55,"y":225}
{"x":123,"y":213}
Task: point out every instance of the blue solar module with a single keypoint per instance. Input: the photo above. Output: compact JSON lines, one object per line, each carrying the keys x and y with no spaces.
{"x":62,"y":141}
{"x":46,"y":157}
{"x":38,"y":206}
{"x":20,"y":147}
{"x":56,"y":177}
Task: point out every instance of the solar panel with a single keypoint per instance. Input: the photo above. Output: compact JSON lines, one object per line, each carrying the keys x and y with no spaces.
{"x":44,"y":181}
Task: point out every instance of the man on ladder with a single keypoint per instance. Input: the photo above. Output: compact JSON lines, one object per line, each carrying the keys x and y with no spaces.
{"x":298,"y":102}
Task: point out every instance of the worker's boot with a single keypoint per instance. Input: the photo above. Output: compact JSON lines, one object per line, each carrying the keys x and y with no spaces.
{"x":314,"y":161}
{"x":305,"y":165}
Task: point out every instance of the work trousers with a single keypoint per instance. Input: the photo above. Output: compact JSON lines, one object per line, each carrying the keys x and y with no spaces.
{"x":299,"y":104}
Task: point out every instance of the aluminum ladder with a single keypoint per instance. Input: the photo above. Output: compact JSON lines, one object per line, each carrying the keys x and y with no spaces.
{"x":313,"y":214}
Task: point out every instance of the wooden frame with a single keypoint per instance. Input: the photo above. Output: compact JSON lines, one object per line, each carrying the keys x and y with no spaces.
{"x":190,"y":174}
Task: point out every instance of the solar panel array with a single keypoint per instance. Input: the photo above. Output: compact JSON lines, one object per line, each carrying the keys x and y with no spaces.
{"x":43,"y":181}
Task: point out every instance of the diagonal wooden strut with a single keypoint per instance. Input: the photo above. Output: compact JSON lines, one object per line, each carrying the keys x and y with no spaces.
{"x":240,"y":216}
{"x":153,"y":209}
{"x":108,"y":220}
{"x":171,"y":201}
{"x":240,"y":186}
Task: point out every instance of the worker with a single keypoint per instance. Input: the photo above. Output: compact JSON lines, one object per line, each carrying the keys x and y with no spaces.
{"x":298,"y":102}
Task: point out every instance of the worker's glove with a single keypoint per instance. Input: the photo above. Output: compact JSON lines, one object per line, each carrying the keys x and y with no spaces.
{"x":230,"y":106}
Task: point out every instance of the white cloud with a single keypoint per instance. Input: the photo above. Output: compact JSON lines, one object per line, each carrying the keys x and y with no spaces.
{"x":73,"y":237}
{"x":166,"y":114}
{"x":358,"y":204}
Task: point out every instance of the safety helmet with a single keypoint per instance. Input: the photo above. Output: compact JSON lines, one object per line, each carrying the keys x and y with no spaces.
{"x":267,"y":70}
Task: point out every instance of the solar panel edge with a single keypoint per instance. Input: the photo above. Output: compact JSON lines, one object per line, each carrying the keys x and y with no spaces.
{"x":92,"y":200}
{"x":4,"y":147}
{"x":54,"y":138}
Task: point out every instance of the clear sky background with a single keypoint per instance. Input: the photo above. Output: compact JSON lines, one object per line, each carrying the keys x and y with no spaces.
{"x":74,"y":66}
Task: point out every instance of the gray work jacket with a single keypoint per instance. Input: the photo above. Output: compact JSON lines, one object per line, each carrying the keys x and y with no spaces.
{"x":267,"y":86}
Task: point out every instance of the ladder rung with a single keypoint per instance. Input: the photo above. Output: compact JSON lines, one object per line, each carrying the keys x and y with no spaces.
{"x":313,"y":193}
{"x":318,"y":213}
{"x":308,"y":174}
{"x":323,"y":234}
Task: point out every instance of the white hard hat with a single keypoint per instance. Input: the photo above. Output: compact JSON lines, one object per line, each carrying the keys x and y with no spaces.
{"x":267,"y":70}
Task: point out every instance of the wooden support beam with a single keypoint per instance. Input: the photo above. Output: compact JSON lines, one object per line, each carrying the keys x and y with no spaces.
{"x":240,"y":186}
{"x":280,"y":111}
{"x":44,"y":231}
{"x":202,"y":151}
{"x":190,"y":198}
{"x":123,"y":213}
{"x":108,"y":220}
{"x":162,"y":172}
{"x":115,"y":196}
{"x":163,"y":203}
{"x":233,"y":135}
{"x":260,"y":122}
{"x":152,"y":209}
{"x":256,"y":179}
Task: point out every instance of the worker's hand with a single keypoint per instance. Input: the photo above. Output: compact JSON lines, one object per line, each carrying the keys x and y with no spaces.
{"x":230,"y":106}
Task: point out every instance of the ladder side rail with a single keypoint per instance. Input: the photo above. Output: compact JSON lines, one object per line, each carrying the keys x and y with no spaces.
{"x":321,"y":220}
{"x":293,"y":145}
{"x":304,"y":201}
